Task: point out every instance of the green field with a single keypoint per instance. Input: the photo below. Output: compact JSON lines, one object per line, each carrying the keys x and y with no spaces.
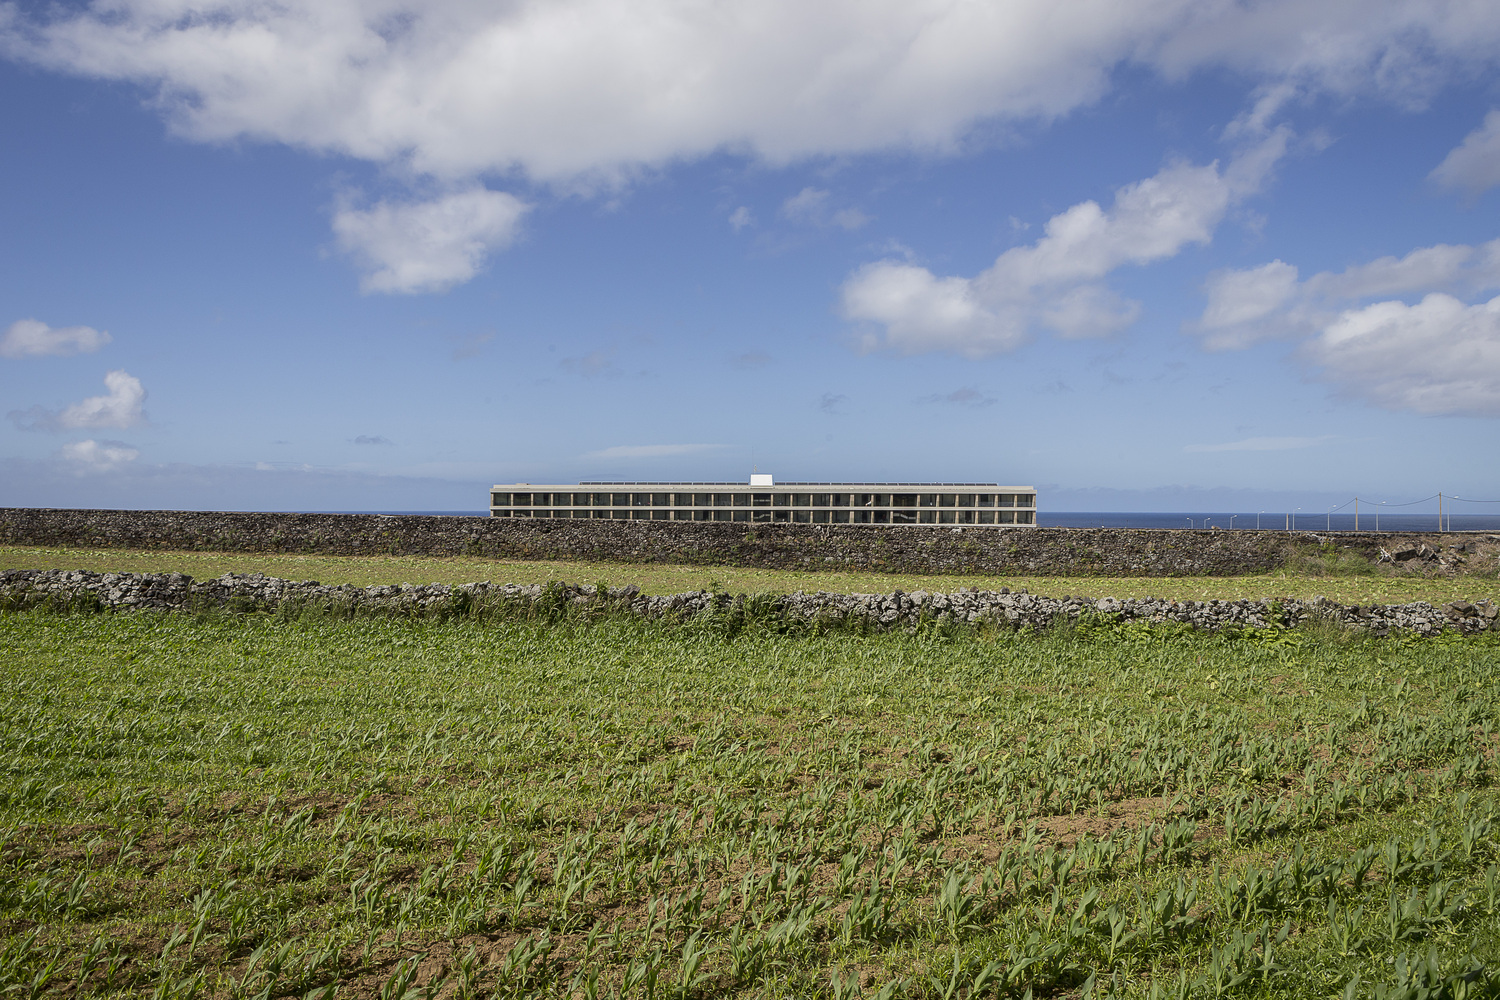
{"x":1363,"y":587}
{"x":243,"y":806}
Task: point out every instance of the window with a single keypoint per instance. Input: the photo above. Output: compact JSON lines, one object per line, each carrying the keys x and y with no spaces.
{"x":802,"y":516}
{"x":1005,"y":517}
{"x":802,"y":500}
{"x":762,"y":516}
{"x":821,"y":500}
{"x":903,"y":517}
{"x":640,"y":499}
{"x":986,"y":517}
{"x":946,"y":499}
{"x":702,"y":515}
{"x":499,"y":499}
{"x":820,"y":517}
{"x":661,"y":499}
{"x":783,"y":499}
{"x":1006,"y":500}
{"x":927,"y":500}
{"x":839,"y":516}
{"x":903,"y":499}
{"x":703,"y":499}
{"x":1026,"y":500}
{"x":742,"y":515}
{"x":781,"y":516}
{"x":966,"y":517}
{"x":945,"y":516}
{"x":741,"y":500}
{"x":520,"y":499}
{"x":966,"y":499}
{"x":986,"y":499}
{"x":838,"y":500}
{"x":722,"y":499}
{"x":760,"y":499}
{"x":928,"y":516}
{"x":721,"y":515}
{"x":880,"y":517}
{"x":1025,"y":516}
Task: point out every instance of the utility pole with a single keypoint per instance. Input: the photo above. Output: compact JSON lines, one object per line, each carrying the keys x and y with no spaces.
{"x":1356,"y":513}
{"x":1440,"y":512}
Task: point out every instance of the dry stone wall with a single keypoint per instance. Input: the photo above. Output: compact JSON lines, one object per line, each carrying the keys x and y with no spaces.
{"x":1002,"y":551}
{"x":875,"y":612}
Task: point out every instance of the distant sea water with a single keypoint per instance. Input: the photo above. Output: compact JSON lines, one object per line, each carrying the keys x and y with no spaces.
{"x":1265,"y":521}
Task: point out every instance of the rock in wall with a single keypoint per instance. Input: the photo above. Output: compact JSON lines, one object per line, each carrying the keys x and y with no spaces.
{"x":915,"y":549}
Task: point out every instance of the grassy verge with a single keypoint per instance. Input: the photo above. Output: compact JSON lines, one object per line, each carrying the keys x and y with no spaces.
{"x":239,"y":806}
{"x":1364,"y":588}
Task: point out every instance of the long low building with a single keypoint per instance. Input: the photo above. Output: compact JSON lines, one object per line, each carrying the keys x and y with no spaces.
{"x":763,"y":501}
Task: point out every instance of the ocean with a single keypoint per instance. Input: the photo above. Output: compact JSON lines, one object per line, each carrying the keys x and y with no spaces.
{"x":1369,"y":520}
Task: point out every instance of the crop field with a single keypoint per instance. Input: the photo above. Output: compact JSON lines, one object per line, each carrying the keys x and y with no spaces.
{"x":1341,"y":581}
{"x":246,"y":806}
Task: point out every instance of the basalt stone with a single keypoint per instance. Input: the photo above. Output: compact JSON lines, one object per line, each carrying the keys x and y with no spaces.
{"x":877,"y":612}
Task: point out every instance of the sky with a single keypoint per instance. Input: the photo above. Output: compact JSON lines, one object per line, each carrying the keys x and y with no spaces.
{"x":377,"y":255}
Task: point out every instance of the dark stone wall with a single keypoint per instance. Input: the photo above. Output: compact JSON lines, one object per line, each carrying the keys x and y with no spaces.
{"x":1019,"y":551}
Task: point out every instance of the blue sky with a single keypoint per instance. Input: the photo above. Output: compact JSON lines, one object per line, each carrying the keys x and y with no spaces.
{"x":375,"y":255}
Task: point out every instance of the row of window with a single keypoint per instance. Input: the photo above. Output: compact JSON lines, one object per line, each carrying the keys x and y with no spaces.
{"x":873,"y":500}
{"x":777,"y":516}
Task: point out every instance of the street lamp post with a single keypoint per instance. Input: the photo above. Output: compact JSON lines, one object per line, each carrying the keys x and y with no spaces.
{"x":1189,"y":521}
{"x":1231,"y":521}
{"x":1294,"y":518}
{"x":1377,"y":515}
{"x":1257,"y":519}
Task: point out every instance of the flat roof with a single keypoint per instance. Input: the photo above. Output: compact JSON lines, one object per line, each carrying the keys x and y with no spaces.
{"x":746,"y":486}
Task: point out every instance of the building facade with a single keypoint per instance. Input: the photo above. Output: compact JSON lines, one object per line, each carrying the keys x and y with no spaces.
{"x":765,"y":502}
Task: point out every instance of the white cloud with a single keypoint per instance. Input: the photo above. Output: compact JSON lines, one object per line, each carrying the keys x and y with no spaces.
{"x":1474,"y":164}
{"x":121,"y":407}
{"x":428,"y":246}
{"x":620,"y":451}
{"x":740,"y":218}
{"x":574,"y":88}
{"x":1439,"y":356}
{"x":99,"y":456}
{"x":1053,"y":283}
{"x":588,"y":94}
{"x":1266,"y":302}
{"x":30,"y":338}
{"x":1262,"y":444}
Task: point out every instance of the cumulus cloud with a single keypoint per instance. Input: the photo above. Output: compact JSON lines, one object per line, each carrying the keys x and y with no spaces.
{"x":378,"y":439}
{"x":1474,"y":164}
{"x":740,"y":218}
{"x":30,"y":338}
{"x":621,"y":451}
{"x":577,"y":87}
{"x":98,"y":456}
{"x":1439,"y":356}
{"x":428,"y":246}
{"x":1269,"y":301}
{"x":120,"y":407}
{"x":1054,"y":283}
{"x":588,"y":94}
